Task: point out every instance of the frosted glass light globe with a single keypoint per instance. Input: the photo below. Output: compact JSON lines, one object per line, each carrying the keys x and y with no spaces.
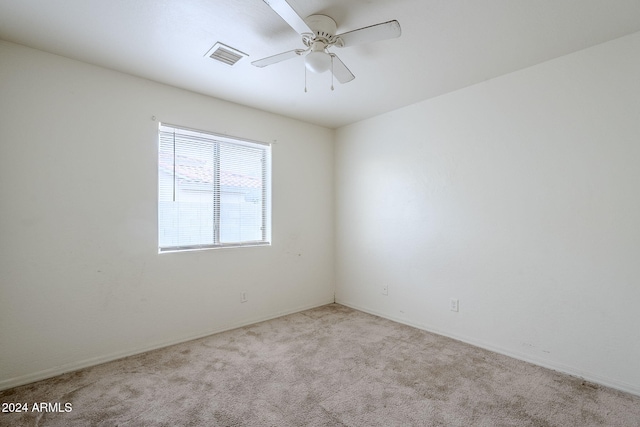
{"x":317,"y":62}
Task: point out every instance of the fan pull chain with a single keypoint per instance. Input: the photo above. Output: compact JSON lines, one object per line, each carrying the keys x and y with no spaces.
{"x":305,"y":79}
{"x":332,"y":72}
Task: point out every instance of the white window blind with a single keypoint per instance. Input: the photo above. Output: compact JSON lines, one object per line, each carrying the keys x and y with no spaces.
{"x":214,"y":191}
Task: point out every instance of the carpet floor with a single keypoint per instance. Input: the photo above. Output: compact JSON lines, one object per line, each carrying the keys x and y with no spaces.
{"x":329,"y":366}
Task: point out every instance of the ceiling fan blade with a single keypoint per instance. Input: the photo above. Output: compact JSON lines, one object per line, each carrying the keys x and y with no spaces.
{"x":290,"y":16}
{"x":277,"y":58}
{"x":340,"y":71}
{"x":373,"y":33}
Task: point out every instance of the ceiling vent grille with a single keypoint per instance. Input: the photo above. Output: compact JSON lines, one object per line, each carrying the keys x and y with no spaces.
{"x":227,"y":54}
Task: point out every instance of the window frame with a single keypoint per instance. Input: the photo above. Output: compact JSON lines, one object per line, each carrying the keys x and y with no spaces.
{"x":217,"y":139}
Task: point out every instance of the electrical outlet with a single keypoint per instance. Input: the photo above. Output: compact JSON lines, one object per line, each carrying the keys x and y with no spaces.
{"x":243,"y":296}
{"x":454,"y":304}
{"x":385,"y":289}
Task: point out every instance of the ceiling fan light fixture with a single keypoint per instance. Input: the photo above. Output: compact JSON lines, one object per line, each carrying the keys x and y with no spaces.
{"x":317,"y":61}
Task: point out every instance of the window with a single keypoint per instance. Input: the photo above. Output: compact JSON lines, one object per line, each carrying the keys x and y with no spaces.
{"x":214,"y":191}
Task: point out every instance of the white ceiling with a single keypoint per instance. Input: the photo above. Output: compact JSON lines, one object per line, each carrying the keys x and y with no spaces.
{"x":445,"y":45}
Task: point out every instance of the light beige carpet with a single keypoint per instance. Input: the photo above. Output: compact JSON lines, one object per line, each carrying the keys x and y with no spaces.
{"x":330,"y":366}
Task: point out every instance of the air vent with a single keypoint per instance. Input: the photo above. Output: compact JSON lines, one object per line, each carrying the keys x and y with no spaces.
{"x":227,"y":54}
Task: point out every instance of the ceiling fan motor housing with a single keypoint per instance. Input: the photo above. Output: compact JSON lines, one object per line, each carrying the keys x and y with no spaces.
{"x":324,"y":29}
{"x":322,"y":26}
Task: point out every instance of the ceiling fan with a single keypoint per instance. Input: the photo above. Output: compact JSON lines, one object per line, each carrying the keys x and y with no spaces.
{"x":319,"y":34}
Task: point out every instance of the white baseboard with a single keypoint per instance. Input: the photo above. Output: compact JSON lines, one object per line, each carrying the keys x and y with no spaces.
{"x":76,"y":365}
{"x":549,"y":364}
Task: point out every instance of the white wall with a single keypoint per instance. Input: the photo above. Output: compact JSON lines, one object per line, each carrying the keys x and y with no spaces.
{"x":80,"y":278}
{"x":521,"y":197}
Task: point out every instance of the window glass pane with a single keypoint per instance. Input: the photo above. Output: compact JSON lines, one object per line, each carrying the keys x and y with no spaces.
{"x":186,"y":196}
{"x":241,"y":193}
{"x":213,"y":191}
